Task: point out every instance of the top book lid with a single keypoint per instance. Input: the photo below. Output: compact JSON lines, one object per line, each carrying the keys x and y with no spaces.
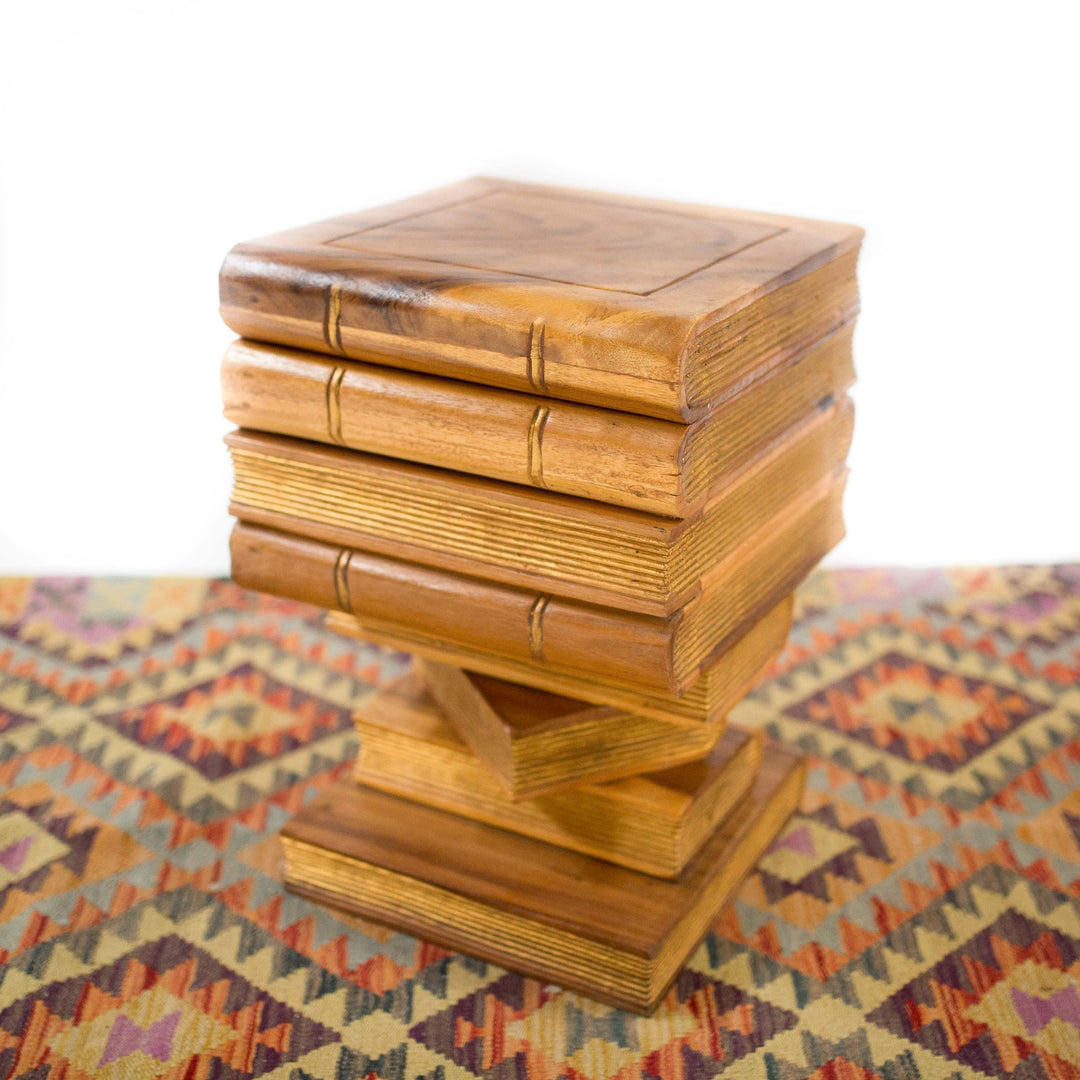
{"x":657,"y":308}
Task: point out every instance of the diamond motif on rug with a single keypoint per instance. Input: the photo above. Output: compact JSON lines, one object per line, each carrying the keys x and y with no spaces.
{"x":821,"y":857}
{"x":151,"y":1034}
{"x":1005,"y":1002}
{"x":239,"y":720}
{"x":919,"y":918}
{"x":918,"y":712}
{"x":95,"y":620}
{"x":1037,"y":1003}
{"x":25,"y":847}
{"x":1056,"y":829}
{"x":49,"y":845}
{"x":803,"y":846}
{"x":1027,"y":604}
{"x":166,"y":1007}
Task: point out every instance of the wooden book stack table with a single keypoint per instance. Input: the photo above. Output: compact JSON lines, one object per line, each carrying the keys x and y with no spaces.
{"x":573,"y":452}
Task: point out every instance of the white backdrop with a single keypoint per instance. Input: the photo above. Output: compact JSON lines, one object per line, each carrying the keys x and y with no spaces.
{"x":140,"y":141}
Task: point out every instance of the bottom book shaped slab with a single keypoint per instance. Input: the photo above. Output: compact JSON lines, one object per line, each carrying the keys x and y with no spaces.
{"x":606,"y":931}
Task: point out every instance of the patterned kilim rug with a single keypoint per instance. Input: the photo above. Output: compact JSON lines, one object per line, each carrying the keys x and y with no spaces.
{"x":156,"y":734}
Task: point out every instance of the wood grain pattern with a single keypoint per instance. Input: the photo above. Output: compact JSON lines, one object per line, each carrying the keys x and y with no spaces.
{"x":608,"y":643}
{"x":613,"y":457}
{"x":519,"y":536}
{"x":600,"y":643}
{"x":652,"y":822}
{"x":706,"y":702}
{"x":632,"y":304}
{"x":535,"y":742}
{"x":533,"y":907}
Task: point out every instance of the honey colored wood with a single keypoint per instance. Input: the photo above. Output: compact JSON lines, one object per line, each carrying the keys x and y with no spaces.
{"x":599,"y":643}
{"x":557,"y":915}
{"x":652,"y":822}
{"x":613,"y":457}
{"x":538,"y":540}
{"x":524,"y":625}
{"x":649,"y":307}
{"x":536,"y":742}
{"x":706,"y":702}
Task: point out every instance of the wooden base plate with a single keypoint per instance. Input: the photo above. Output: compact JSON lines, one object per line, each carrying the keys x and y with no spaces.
{"x":609,"y":932}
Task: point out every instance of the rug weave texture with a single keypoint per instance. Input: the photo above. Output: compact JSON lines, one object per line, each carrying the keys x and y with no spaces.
{"x":919,"y":917}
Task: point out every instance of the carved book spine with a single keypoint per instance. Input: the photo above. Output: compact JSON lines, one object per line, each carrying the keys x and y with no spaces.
{"x":612,"y":457}
{"x":539,"y":628}
{"x":531,"y":539}
{"x":522,"y":625}
{"x":637,"y":305}
{"x":303,"y":310}
{"x":706,"y":702}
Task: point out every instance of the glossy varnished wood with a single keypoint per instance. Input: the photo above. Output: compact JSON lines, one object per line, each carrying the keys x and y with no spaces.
{"x":613,"y":457}
{"x":576,"y":548}
{"x":705,"y":702}
{"x":523,"y":625}
{"x":540,"y":629}
{"x":537,"y":742}
{"x":543,"y":629}
{"x":530,"y":906}
{"x":650,"y":307}
{"x":653,"y":822}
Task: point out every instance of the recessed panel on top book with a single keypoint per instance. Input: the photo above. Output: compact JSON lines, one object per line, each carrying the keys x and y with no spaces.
{"x":562,"y":238}
{"x":656,"y":308}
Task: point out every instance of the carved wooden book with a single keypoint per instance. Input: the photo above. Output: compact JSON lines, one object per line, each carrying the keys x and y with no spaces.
{"x":613,"y":457}
{"x":649,"y":307}
{"x":706,"y":702}
{"x":645,"y":651}
{"x":561,"y":916}
{"x":653,"y":822}
{"x":535,"y":742}
{"x":537,"y":540}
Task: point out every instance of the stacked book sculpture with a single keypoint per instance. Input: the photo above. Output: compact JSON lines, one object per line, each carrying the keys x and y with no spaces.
{"x":573,"y":452}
